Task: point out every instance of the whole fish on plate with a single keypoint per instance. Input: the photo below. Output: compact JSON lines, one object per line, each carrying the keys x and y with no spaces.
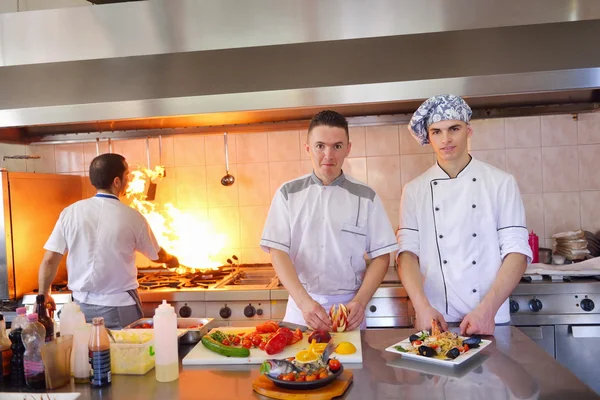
{"x":275,"y":368}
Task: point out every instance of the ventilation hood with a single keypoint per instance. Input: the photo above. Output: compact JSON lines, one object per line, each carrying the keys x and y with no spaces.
{"x":173,"y":66}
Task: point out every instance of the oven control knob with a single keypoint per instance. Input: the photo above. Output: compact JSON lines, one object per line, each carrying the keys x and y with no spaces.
{"x":514,"y":306}
{"x":587,"y":305}
{"x":373,"y":308}
{"x":535,"y":305}
{"x":259,"y":311}
{"x":225,"y":312}
{"x":249,"y":311}
{"x":185,"y":311}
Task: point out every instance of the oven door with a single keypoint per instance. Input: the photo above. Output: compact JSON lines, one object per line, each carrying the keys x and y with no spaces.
{"x":543,"y":336}
{"x":578,"y":349}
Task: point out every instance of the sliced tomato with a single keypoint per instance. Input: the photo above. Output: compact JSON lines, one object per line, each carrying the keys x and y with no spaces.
{"x":466,"y":347}
{"x":417,"y":343}
{"x":297,"y":336}
{"x":434,"y":345}
{"x":267,"y":327}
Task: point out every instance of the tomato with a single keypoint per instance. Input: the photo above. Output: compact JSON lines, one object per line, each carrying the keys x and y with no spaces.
{"x":417,"y":343}
{"x":226,"y":342}
{"x":256,"y":340}
{"x":300,"y":378}
{"x":334,"y":365}
{"x":434,"y":346}
{"x":466,"y":346}
{"x":297,"y":336}
{"x":323,"y":375}
{"x":289,"y":377}
{"x":236,"y":340}
{"x":246,"y":343}
{"x":287,"y":333}
{"x":267,"y":327}
{"x":311,"y":377}
{"x":276,"y":344}
{"x":262,"y":345}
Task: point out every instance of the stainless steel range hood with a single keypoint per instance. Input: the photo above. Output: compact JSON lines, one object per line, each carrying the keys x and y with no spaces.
{"x":171,"y":66}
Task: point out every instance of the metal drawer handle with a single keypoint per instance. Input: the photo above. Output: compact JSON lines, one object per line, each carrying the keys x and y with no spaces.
{"x":586,"y":331}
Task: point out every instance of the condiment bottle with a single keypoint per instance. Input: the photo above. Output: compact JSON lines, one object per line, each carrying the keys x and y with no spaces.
{"x":166,"y":356}
{"x":5,"y":352}
{"x":33,"y":337}
{"x":43,"y":316}
{"x":71,"y":317}
{"x":17,"y":372}
{"x":535,"y":247}
{"x":99,"y":353}
{"x":81,"y":355}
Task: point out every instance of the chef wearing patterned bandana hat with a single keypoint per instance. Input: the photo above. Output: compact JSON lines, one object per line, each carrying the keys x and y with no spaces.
{"x":462,"y":234}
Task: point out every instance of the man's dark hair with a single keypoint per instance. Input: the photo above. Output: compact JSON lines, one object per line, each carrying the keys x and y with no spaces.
{"x":329,"y":118}
{"x":105,"y":168}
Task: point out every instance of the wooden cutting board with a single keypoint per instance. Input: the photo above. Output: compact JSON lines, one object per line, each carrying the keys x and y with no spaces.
{"x":200,"y":355}
{"x":266,"y":387}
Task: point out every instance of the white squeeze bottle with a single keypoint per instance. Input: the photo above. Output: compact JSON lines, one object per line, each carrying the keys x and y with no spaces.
{"x":166,"y":357}
{"x":71,"y":318}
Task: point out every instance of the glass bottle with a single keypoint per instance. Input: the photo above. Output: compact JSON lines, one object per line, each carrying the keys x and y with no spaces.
{"x":99,"y":351}
{"x":43,"y":316}
{"x":5,"y":352}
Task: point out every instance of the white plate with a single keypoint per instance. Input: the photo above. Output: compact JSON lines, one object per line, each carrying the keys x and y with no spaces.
{"x":457,"y":361}
{"x":37,"y":396}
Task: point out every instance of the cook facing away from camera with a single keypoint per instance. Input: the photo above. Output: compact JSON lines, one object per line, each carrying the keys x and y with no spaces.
{"x":462,"y":234}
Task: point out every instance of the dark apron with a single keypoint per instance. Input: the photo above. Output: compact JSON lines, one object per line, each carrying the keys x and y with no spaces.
{"x":138,"y":302}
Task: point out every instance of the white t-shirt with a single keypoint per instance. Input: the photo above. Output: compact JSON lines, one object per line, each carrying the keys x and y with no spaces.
{"x":461,"y":229}
{"x":101,"y":235}
{"x":326,"y":230}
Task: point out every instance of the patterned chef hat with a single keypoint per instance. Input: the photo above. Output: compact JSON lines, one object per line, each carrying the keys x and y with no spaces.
{"x":443,"y":107}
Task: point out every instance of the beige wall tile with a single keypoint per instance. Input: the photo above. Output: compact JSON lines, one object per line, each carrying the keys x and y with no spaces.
{"x":523,"y":132}
{"x":534,"y":210}
{"x":227,"y":220}
{"x":189,"y":151}
{"x":488,"y":134}
{"x":44,"y":165}
{"x":588,"y":128}
{"x":392,"y":208}
{"x":252,"y":221}
{"x":219,"y":195}
{"x":252,"y":147}
{"x":411,"y":166}
{"x":281,"y":172}
{"x":214,"y":146}
{"x":191,"y":187}
{"x":560,"y":169}
{"x":558,"y":130}
{"x":409,"y":145}
{"x":134,"y":151}
{"x":526,"y":166}
{"x":383,"y":175}
{"x":358,"y":140}
{"x":166,"y":189}
{"x":496,"y":158}
{"x":284,"y":146}
{"x":356,"y":168}
{"x":255,"y":255}
{"x":382,"y":140}
{"x":561,"y":212}
{"x":253,"y":184}
{"x":590,"y":211}
{"x":589,"y":167}
{"x":89,"y":152}
{"x":164,"y":156}
{"x":69,"y":158}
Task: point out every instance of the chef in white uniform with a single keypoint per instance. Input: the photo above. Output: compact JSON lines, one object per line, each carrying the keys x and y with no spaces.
{"x":101,"y":236}
{"x":462,"y":234}
{"x":319,"y":228}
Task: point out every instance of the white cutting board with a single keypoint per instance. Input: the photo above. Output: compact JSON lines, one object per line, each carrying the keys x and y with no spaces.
{"x":200,"y":355}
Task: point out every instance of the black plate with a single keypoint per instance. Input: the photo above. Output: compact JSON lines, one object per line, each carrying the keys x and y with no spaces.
{"x":319,"y":383}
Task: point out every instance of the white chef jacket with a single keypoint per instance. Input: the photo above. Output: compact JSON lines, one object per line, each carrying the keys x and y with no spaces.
{"x":461,"y":229}
{"x":102,"y":235}
{"x":326,"y":230}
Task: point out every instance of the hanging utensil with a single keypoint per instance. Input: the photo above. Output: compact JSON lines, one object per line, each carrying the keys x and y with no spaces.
{"x":151,"y":193}
{"x":228,"y":179}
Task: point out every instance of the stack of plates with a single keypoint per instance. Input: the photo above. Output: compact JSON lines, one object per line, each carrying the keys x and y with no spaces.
{"x":572,"y":245}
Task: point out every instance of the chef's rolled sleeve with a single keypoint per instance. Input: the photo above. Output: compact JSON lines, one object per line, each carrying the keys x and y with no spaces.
{"x":277,"y":233}
{"x":380,"y":238}
{"x":56,"y":242}
{"x":408,"y":228}
{"x":512,"y":228}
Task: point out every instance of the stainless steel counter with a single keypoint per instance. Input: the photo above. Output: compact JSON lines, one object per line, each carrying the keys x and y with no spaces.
{"x":512,"y":367}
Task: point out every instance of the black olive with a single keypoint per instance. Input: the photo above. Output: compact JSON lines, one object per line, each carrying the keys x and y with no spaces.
{"x":427,"y":351}
{"x":412,"y":338}
{"x":453,"y":353}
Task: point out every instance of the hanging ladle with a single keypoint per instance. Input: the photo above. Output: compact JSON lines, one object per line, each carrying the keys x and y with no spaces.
{"x":228,"y":179}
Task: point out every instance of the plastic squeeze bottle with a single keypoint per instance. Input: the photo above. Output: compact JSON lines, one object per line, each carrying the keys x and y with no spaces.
{"x":5,"y":352}
{"x":166,"y":356}
{"x":71,"y":317}
{"x":81,"y":353}
{"x":33,"y":337}
{"x":99,"y":351}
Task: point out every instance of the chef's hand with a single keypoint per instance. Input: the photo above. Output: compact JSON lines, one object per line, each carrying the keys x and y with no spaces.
{"x":356,"y":315}
{"x":424,"y":317}
{"x":172,"y":262}
{"x":480,"y":321}
{"x":316,"y":317}
{"x":50,"y":305}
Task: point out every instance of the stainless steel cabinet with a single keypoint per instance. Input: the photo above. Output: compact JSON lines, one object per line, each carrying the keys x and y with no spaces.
{"x":578,"y":349}
{"x":543,"y":336}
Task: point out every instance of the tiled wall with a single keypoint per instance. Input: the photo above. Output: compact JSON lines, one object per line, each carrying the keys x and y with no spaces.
{"x":555,"y":159}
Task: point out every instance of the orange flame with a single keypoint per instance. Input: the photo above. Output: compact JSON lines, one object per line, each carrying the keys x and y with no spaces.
{"x":195,"y":243}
